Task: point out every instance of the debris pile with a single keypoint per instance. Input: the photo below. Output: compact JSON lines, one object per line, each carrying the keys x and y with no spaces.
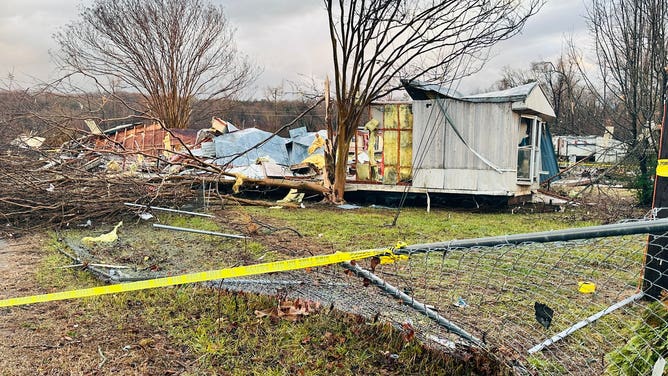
{"x":91,"y":177}
{"x":67,"y":190}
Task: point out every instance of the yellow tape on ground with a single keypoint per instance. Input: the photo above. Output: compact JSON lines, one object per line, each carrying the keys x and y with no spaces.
{"x":239,"y":271}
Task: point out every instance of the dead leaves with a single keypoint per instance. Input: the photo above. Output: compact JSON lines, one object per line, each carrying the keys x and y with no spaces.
{"x":290,"y":310}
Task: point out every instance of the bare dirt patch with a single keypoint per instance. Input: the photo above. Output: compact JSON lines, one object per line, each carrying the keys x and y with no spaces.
{"x":62,"y":338}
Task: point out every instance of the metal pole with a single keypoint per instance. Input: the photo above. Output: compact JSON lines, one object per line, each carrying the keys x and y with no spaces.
{"x":408,"y":300}
{"x":561,"y":335}
{"x":169,"y":210}
{"x":616,"y":229}
{"x":198,"y":231}
{"x":655,"y":274}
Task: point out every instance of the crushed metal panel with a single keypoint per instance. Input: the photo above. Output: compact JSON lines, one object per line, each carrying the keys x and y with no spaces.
{"x":239,"y":143}
{"x":298,"y":145}
{"x":297,"y":132}
{"x":273,"y":170}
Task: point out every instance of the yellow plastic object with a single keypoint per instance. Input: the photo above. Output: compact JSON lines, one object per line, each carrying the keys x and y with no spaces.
{"x":391,"y":257}
{"x":400,"y":245}
{"x":662,"y":167}
{"x":109,"y":237}
{"x":586,"y":287}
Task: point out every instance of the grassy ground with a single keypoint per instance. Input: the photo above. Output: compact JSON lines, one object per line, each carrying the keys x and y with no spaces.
{"x":197,"y":330}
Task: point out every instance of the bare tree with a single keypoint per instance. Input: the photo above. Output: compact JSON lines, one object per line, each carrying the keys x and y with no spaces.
{"x":575,"y":106}
{"x":172,"y":52}
{"x":375,"y":43}
{"x":630,"y":41}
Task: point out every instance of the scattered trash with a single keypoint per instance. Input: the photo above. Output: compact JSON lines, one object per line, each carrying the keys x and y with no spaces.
{"x":348,"y":206}
{"x":544,"y":314}
{"x":145,"y":216}
{"x":461,"y":303}
{"x":127,"y":348}
{"x":51,"y":188}
{"x":290,"y":310}
{"x":109,"y":237}
{"x":586,"y":287}
{"x":442,"y":341}
{"x":88,"y":223}
{"x":659,"y":366}
{"x":292,"y":196}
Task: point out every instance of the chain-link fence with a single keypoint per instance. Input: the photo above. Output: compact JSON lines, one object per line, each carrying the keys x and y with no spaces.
{"x":544,"y":305}
{"x":552,"y":303}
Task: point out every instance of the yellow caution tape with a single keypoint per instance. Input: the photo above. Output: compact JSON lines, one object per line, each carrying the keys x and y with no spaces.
{"x":662,"y":168}
{"x":390,"y":257}
{"x":239,"y":271}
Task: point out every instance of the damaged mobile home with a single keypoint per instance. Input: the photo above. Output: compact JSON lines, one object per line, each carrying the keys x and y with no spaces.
{"x":493,"y":145}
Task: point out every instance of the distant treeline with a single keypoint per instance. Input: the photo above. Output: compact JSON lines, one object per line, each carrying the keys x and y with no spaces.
{"x":58,"y":116}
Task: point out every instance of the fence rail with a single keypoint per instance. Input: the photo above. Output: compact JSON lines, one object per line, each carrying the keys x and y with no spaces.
{"x":520,"y":297}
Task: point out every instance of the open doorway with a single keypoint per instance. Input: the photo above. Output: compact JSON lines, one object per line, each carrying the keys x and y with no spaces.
{"x":528,"y":149}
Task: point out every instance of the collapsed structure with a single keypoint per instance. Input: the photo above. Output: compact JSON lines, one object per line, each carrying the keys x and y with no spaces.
{"x":493,"y":144}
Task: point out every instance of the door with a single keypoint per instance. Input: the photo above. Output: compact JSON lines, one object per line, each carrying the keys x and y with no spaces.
{"x":528,"y":149}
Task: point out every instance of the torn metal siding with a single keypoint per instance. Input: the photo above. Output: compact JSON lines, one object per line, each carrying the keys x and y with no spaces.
{"x":150,"y":139}
{"x":299,"y":143}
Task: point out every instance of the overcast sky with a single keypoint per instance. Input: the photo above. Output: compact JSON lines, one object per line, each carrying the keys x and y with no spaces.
{"x":288,"y":38}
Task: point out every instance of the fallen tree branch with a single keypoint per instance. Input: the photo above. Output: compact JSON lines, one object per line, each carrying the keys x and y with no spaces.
{"x":257,"y":202}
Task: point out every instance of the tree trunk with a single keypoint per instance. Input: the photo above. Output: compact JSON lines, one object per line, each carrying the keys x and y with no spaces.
{"x":341,"y":164}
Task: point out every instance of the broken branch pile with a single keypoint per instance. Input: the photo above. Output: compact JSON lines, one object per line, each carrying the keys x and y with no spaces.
{"x":67,"y":191}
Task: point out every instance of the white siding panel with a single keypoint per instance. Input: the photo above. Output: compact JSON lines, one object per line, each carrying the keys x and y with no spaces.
{"x":488,"y":128}
{"x":491,"y":129}
{"x":464,"y":179}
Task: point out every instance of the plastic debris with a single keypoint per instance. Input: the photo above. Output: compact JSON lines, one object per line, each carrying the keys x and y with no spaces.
{"x":109,"y":237}
{"x":461,"y":303}
{"x":292,"y":196}
{"x":88,"y":223}
{"x":659,"y":366}
{"x":442,"y":341}
{"x":544,"y":314}
{"x":145,"y":216}
{"x":586,"y":287}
